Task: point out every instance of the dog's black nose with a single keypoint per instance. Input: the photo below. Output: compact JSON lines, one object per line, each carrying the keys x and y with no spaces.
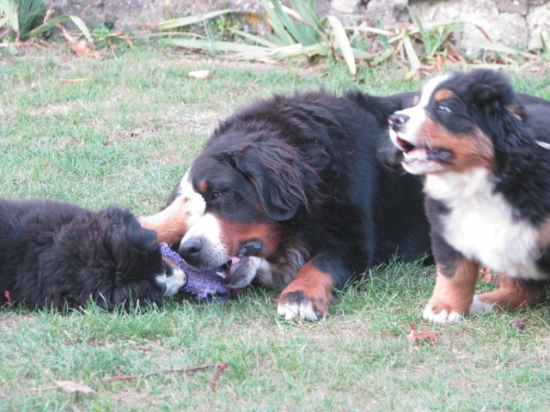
{"x":190,"y":248}
{"x":398,"y":120}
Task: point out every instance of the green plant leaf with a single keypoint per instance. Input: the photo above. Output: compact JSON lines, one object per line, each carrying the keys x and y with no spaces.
{"x":500,"y":48}
{"x":10,"y":11}
{"x":282,"y":36}
{"x":288,"y":23}
{"x":186,"y":21}
{"x":46,"y":26}
{"x":411,"y":54}
{"x":254,"y":38}
{"x":384,"y":56}
{"x":218,"y":46}
{"x":82,"y":26}
{"x":342,"y":41}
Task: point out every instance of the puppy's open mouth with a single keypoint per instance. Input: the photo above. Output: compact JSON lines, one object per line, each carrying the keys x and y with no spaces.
{"x":412,"y":153}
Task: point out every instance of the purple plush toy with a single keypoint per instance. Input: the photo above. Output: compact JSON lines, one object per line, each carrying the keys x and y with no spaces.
{"x":205,"y":285}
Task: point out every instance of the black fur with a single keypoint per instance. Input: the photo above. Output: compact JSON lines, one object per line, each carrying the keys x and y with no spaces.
{"x":311,"y":161}
{"x":58,"y":255}
{"x":514,"y":123}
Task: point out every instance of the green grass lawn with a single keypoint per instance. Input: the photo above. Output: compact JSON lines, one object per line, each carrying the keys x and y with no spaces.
{"x":122,"y":130}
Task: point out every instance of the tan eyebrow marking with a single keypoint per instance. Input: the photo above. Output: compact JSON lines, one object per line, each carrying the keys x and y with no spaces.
{"x":443,"y":94}
{"x":203,"y":186}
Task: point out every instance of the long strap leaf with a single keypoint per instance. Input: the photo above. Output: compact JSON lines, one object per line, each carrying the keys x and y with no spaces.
{"x":342,"y":41}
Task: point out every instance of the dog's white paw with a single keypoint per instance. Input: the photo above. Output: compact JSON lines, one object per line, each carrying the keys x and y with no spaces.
{"x":437,"y":315}
{"x":480,"y":307}
{"x":304,"y":309}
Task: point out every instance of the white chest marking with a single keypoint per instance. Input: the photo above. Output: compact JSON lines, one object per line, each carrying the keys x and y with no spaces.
{"x":481,"y":224}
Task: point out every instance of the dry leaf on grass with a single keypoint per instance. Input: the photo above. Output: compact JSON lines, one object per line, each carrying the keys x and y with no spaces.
{"x":200,"y":74}
{"x":70,"y":386}
{"x":82,"y":48}
{"x":518,"y":323}
{"x":217,"y":375}
{"x":163,"y":372}
{"x":414,"y":336}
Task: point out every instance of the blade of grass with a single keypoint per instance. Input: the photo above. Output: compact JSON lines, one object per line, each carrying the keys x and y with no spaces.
{"x":342,"y":40}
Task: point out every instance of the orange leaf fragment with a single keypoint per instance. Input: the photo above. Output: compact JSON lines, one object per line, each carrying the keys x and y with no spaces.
{"x":414,"y":335}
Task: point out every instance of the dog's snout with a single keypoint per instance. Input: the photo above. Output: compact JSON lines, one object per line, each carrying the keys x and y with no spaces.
{"x":398,"y":120}
{"x":190,"y":249}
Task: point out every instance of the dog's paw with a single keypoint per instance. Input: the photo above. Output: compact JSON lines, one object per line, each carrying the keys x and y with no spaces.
{"x":294,"y":305}
{"x":480,"y":307}
{"x":440,"y":314}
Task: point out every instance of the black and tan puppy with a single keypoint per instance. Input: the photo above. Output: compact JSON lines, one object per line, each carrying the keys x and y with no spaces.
{"x":485,"y":153}
{"x":56,"y":255}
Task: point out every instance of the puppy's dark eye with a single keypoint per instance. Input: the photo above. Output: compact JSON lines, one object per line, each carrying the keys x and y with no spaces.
{"x":215,"y":196}
{"x":442,"y":107}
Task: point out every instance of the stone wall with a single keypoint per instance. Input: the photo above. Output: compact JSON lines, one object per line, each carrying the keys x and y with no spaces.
{"x":514,"y":23}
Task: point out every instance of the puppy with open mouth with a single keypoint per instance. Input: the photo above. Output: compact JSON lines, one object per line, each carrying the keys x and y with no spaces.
{"x":484,"y":152}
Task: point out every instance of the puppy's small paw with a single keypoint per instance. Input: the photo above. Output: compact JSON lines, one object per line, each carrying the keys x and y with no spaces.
{"x":294,"y":305}
{"x":439,"y":314}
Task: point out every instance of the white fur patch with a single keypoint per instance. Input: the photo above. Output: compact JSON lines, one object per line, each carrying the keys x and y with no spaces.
{"x":410,"y":132}
{"x":283,"y":272}
{"x":302,"y":310}
{"x":481,"y":224}
{"x":195,"y":204}
{"x":174,"y":282}
{"x":208,"y":228}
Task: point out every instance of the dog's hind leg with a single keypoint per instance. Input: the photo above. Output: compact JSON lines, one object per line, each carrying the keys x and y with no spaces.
{"x":513,"y":293}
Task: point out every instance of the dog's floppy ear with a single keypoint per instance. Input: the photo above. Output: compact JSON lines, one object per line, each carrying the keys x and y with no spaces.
{"x":282,"y":179}
{"x":494,"y":91}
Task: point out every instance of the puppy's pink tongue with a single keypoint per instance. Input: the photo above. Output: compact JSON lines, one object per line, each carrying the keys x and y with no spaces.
{"x":235,"y":260}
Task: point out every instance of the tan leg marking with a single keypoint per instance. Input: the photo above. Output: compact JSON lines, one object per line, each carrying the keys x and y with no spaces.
{"x":452,"y":295}
{"x":307,"y":296}
{"x":172,"y":223}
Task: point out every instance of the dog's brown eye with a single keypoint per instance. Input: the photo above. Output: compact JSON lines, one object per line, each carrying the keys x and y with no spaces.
{"x":216,"y":195}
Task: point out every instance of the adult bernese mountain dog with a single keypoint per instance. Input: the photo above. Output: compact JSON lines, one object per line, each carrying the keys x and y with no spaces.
{"x":295,"y":197}
{"x":58,"y":255}
{"x":485,"y":153}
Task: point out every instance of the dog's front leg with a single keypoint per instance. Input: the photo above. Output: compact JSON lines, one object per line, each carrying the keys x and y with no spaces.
{"x":308,"y":295}
{"x":172,"y":223}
